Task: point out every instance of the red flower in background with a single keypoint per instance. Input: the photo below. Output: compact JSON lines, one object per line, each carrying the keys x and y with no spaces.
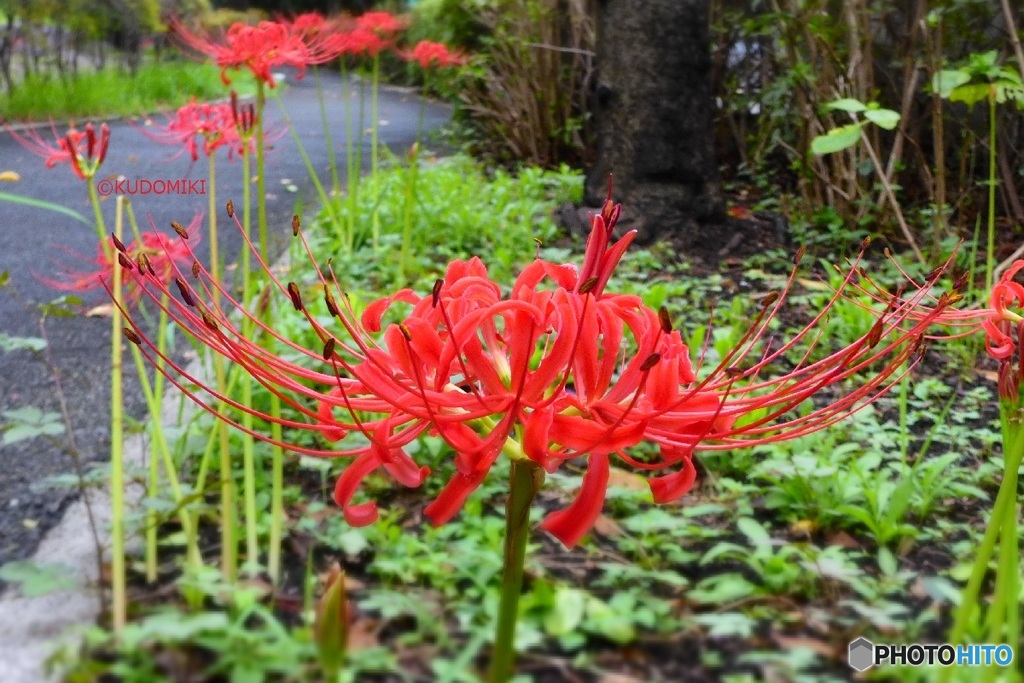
{"x":157,"y":255}
{"x":557,"y":370}
{"x":383,"y":24}
{"x":258,"y":48}
{"x":429,"y":54}
{"x":83,"y":150}
{"x":212,"y":125}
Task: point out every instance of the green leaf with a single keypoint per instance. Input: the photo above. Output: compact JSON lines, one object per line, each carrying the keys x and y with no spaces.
{"x":884,"y":118}
{"x":970,"y":94}
{"x":28,"y":423}
{"x":945,"y":82}
{"x":847,"y":104}
{"x":9,"y":343}
{"x":604,"y":620}
{"x":40,"y":204}
{"x":38,"y":579}
{"x":567,"y":612}
{"x":755,"y":533}
{"x":836,"y":140}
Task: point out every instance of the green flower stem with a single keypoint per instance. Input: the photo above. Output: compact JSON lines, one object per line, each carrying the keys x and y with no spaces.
{"x":248,"y":445}
{"x":351,"y":164}
{"x":94,"y":200}
{"x":525,"y":480}
{"x":261,"y":180}
{"x":410,"y":188}
{"x":374,"y":123}
{"x":119,"y":590}
{"x":336,"y":182}
{"x":1005,"y":506}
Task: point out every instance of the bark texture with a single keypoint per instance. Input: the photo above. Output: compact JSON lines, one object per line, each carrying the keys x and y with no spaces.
{"x":654,"y":117}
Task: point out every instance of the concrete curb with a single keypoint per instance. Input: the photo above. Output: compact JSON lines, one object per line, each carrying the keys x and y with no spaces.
{"x":32,"y":629}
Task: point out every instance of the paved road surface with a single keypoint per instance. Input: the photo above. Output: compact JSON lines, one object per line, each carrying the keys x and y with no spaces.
{"x":29,"y":240}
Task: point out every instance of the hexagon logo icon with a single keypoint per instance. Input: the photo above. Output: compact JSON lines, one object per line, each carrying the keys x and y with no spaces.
{"x":862,"y":654}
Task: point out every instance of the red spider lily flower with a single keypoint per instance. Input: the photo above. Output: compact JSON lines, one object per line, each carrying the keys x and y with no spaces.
{"x":429,"y":54}
{"x":556,"y":370}
{"x":158,"y":255}
{"x":211,"y":124}
{"x":83,"y":150}
{"x":383,"y":24}
{"x":258,"y":48}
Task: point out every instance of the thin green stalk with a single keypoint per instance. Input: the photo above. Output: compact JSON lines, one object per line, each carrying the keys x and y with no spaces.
{"x":248,"y":446}
{"x":375,"y":116}
{"x":336,"y":182}
{"x":525,"y":479}
{"x":351,"y":165}
{"x":261,"y":180}
{"x":991,"y":253}
{"x":94,"y":200}
{"x":410,"y":189}
{"x":118,"y":580}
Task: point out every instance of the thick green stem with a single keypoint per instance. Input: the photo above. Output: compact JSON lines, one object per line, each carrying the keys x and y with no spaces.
{"x":261,"y":181}
{"x":351,"y":165}
{"x":1005,"y":506}
{"x":94,"y":200}
{"x":525,"y":479}
{"x":248,"y":445}
{"x":119,"y":609}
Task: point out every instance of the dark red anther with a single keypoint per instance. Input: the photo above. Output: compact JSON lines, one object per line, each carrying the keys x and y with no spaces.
{"x":665,"y":320}
{"x":650,"y":362}
{"x":866,"y":243}
{"x":588,"y":285}
{"x":332,"y":306}
{"x":104,"y":143}
{"x":118,"y":244}
{"x":196,"y":269}
{"x":186,"y":295}
{"x":436,"y":293}
{"x":182,"y":233}
{"x":961,"y":283}
{"x":210,"y":322}
{"x":329,"y":348}
{"x":875,"y":334}
{"x":231,"y":209}
{"x":125,"y":262}
{"x":130,"y":335}
{"x":293,"y":292}
{"x":405,"y":332}
{"x":769,"y":299}
{"x":734,"y":372}
{"x":798,"y":256}
{"x":295,"y":225}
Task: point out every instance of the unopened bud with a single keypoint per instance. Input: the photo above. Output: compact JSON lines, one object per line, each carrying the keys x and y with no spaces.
{"x":331,"y":625}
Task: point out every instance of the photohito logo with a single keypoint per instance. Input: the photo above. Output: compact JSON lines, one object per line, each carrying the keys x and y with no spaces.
{"x":863,"y":654}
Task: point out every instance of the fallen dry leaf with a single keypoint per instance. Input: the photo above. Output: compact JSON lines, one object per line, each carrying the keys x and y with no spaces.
{"x":101,"y":311}
{"x":10,"y":176}
{"x":791,"y":642}
{"x":626,"y":480}
{"x":606,"y":526}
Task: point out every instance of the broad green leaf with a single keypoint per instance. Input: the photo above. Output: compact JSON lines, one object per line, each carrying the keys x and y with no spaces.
{"x":40,"y":204}
{"x":9,"y":343}
{"x":884,"y":118}
{"x":945,"y":82}
{"x":970,"y":94}
{"x":606,"y":621}
{"x":38,"y":579}
{"x":754,"y":532}
{"x":836,"y":140}
{"x":567,"y":612}
{"x":28,"y":423}
{"x":847,"y":104}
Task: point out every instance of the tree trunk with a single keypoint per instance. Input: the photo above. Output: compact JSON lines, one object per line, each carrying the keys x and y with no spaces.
{"x":654,"y":115}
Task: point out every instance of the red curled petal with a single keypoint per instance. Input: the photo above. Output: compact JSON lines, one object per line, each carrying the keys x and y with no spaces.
{"x":674,"y":486}
{"x":404,"y":469}
{"x":345,"y":488}
{"x":325,"y":414}
{"x":536,"y":428}
{"x":453,"y":496}
{"x":570,"y":525}
{"x":375,"y":311}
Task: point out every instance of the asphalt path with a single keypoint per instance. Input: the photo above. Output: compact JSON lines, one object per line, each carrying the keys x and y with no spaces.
{"x":33,"y":242}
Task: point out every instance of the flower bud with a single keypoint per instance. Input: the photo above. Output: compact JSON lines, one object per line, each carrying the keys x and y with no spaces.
{"x":330,"y":630}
